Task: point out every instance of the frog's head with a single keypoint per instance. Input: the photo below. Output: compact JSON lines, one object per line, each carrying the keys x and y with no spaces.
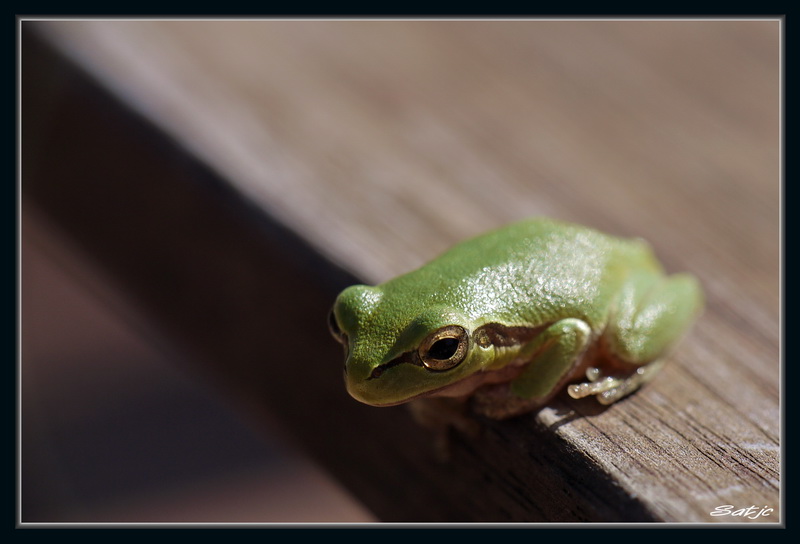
{"x":398,"y":348}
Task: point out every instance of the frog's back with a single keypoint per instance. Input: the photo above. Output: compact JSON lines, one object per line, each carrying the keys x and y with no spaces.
{"x":547,"y":247}
{"x":532,"y":271}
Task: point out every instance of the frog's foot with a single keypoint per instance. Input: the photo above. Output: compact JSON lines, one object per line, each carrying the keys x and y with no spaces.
{"x":610,"y":389}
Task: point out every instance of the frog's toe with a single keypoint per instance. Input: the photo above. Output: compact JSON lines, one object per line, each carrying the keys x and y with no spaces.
{"x":610,"y":389}
{"x":596,"y":385}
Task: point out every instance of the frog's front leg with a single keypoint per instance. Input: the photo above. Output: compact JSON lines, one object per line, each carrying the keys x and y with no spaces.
{"x":555,"y":357}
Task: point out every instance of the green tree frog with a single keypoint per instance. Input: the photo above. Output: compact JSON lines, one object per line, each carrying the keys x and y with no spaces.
{"x":505,"y":321}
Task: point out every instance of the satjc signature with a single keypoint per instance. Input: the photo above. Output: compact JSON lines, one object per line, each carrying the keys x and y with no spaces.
{"x":751,"y":512}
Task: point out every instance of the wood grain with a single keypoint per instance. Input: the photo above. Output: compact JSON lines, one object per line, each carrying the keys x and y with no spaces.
{"x":381,"y":143}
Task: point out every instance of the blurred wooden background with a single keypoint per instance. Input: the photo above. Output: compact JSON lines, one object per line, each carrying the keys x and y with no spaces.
{"x":370,"y":147}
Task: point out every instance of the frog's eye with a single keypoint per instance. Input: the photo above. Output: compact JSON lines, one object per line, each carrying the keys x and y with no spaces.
{"x":336,"y":331}
{"x":445,"y":348}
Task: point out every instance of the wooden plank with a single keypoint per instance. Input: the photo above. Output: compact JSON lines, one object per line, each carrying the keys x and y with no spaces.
{"x":377,"y":144}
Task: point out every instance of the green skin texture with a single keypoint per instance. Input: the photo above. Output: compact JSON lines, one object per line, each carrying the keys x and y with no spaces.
{"x":577,"y":284}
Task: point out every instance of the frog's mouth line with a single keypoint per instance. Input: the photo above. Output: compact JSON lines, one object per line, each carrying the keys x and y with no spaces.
{"x":408,"y":358}
{"x":432,"y":393}
{"x":468,"y":385}
{"x":497,"y":335}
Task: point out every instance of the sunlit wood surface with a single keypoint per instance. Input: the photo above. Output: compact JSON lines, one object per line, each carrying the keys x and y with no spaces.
{"x":381,"y":143}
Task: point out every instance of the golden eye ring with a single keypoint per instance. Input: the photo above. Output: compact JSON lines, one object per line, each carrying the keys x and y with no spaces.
{"x":444,"y":349}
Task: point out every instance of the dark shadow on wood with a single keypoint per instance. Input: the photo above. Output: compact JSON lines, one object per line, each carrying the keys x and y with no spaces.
{"x":249,"y":299}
